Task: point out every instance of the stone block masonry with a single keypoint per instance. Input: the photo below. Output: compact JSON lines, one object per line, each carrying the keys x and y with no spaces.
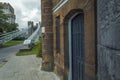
{"x":108,"y":39}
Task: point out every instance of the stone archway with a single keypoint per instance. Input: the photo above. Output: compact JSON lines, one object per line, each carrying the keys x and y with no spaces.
{"x":66,"y":39}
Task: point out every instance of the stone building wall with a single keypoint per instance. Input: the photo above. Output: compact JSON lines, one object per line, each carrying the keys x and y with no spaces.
{"x":61,"y":59}
{"x":9,"y":11}
{"x":55,"y":2}
{"x":108,"y":24}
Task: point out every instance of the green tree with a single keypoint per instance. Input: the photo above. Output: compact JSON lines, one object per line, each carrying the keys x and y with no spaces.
{"x":11,"y":27}
{"x":4,"y":25}
{"x":3,"y":19}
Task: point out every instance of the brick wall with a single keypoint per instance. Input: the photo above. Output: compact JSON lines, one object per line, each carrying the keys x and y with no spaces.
{"x":47,"y":39}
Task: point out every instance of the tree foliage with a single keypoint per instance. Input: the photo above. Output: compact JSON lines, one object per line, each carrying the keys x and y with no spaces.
{"x":4,"y":25}
{"x":11,"y":27}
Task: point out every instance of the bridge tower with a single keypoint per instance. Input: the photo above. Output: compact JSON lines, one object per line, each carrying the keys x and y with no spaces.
{"x":47,"y":39}
{"x":30,"y":27}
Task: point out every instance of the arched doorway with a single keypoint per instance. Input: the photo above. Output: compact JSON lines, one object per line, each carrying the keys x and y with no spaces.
{"x":76,"y":46}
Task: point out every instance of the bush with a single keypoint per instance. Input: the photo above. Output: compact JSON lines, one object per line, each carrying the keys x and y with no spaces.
{"x":19,"y":38}
{"x":39,"y":54}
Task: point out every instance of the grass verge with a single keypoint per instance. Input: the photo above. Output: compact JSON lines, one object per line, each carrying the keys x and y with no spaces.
{"x":12,"y":43}
{"x":37,"y":50}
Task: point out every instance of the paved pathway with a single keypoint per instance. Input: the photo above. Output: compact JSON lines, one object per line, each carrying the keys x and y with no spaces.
{"x":25,"y":68}
{"x":7,"y":53}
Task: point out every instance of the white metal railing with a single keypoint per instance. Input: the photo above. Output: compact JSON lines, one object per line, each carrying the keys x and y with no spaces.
{"x":34,"y":37}
{"x":10,"y":35}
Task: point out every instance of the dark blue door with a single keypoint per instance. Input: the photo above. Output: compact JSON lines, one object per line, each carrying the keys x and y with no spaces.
{"x":77,"y":41}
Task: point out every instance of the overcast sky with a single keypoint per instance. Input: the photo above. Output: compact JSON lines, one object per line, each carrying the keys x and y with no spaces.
{"x":25,"y":10}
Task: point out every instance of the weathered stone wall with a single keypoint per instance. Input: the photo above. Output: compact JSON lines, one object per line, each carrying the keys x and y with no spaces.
{"x":108,"y":21}
{"x":55,"y":2}
{"x":62,"y":59}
